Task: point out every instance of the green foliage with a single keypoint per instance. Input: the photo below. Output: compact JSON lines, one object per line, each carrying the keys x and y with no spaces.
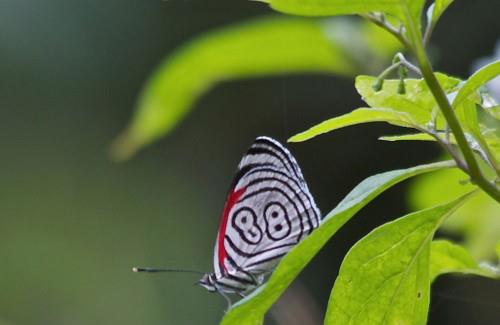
{"x":416,"y":108}
{"x":408,"y":137}
{"x":481,"y":231}
{"x":358,"y":116}
{"x":487,"y":144}
{"x":345,"y":7}
{"x":382,"y":281}
{"x":252,"y":309}
{"x":447,"y":257}
{"x":475,"y":81}
{"x":262,"y":47}
{"x":494,"y":112}
{"x":417,"y":100}
{"x":384,"y":278}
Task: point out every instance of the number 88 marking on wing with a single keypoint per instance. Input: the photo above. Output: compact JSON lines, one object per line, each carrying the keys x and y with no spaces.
{"x":278,"y":225}
{"x":244,"y":221}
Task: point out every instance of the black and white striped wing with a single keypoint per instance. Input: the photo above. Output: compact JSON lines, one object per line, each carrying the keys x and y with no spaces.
{"x":269,"y":210}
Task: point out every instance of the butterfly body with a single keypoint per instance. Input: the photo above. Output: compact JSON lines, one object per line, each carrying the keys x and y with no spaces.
{"x":268,"y":211}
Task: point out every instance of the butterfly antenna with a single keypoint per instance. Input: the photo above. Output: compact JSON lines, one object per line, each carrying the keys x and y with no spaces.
{"x":155,"y":270}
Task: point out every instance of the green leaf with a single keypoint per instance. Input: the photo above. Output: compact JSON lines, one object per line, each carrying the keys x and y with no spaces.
{"x":358,"y":116}
{"x":252,"y":308}
{"x":346,"y":7}
{"x":493,"y":111}
{"x":436,"y":10}
{"x":486,"y":99}
{"x":489,"y":119}
{"x":408,"y":137}
{"x":488,"y":145}
{"x":447,"y":257}
{"x":477,"y":221}
{"x":384,"y":278}
{"x":466,"y":112}
{"x":262,"y":47}
{"x":475,"y":81}
{"x":417,"y":101}
{"x":414,"y":109}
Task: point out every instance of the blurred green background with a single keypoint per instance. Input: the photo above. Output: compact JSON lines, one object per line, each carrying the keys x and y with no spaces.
{"x":73,"y":223}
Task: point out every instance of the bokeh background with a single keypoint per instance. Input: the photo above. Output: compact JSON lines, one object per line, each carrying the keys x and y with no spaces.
{"x":73,"y":222}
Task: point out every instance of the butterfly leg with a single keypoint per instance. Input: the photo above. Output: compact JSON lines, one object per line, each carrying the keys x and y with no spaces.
{"x":254,"y":278}
{"x":228,"y":300}
{"x":258,"y":278}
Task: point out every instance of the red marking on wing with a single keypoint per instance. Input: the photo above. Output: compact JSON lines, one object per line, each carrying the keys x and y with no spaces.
{"x":232,"y":198}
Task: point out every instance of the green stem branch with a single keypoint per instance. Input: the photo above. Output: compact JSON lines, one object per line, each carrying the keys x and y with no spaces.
{"x":414,"y":43}
{"x":451,"y":119}
{"x":380,"y":21}
{"x":437,"y":91}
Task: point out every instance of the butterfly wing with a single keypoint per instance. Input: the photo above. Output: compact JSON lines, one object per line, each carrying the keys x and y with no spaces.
{"x":268,"y":211}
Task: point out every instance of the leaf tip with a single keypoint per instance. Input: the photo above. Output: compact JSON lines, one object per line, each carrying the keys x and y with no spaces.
{"x":123,"y":147}
{"x":296,"y":138}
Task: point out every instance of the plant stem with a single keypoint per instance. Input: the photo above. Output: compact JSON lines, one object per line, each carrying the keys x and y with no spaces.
{"x":451,"y":119}
{"x":388,"y":27}
{"x":414,"y":43}
{"x":377,"y":85}
{"x":398,"y":61}
{"x":428,"y":32}
{"x":437,"y":91}
{"x":409,"y":65}
{"x":449,"y":149}
{"x":448,"y":114}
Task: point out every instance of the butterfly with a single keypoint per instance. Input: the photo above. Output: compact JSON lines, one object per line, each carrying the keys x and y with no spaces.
{"x":268,"y":210}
